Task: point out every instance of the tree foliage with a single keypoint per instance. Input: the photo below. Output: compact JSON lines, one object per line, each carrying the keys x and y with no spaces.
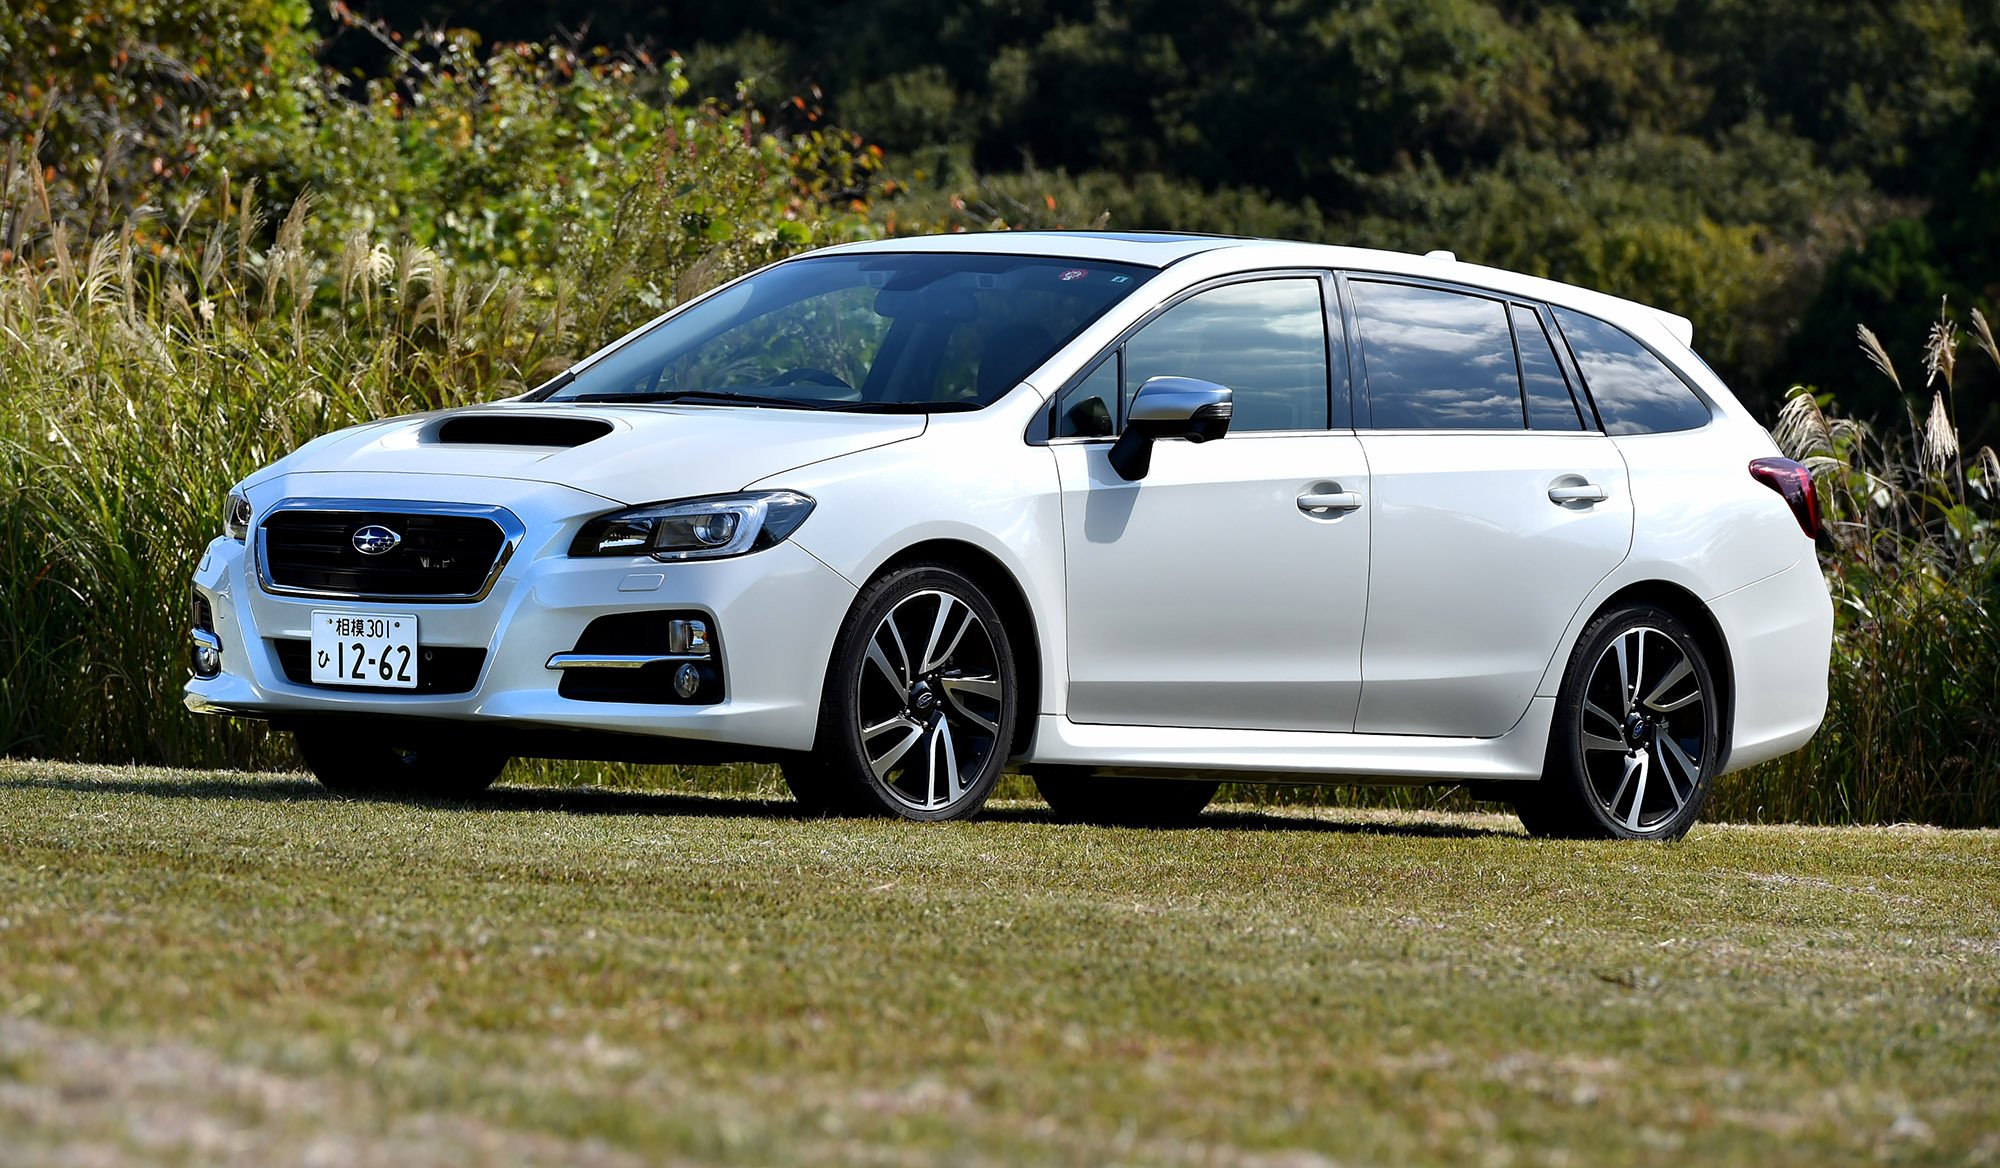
{"x":109,"y":100}
{"x":1714,"y":157}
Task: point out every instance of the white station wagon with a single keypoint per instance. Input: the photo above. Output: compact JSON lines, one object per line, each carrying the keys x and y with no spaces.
{"x":1134,"y":512}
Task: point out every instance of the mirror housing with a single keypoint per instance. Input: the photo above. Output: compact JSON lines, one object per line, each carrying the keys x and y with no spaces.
{"x":1169,"y":407}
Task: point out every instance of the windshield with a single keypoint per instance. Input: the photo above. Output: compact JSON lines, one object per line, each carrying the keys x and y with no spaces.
{"x":900,"y":332}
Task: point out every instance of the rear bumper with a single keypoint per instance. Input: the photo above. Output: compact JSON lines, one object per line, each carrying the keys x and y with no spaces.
{"x":1780,"y":637}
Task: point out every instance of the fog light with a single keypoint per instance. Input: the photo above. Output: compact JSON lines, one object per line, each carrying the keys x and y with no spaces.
{"x":687,"y":680}
{"x":207,"y":654}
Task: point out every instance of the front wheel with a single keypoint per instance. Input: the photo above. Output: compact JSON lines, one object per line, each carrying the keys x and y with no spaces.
{"x":349,"y":763}
{"x":921,"y":699}
{"x":1637,"y":733}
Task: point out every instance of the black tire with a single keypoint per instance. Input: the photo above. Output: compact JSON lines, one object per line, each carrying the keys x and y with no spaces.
{"x":351,"y":763}
{"x":811,"y":784}
{"x":1638,"y":704}
{"x":947,"y":703}
{"x":1076,"y":797}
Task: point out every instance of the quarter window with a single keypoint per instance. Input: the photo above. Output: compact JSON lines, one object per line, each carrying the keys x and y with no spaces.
{"x":1634,"y":391}
{"x":1089,"y":409}
{"x":1436,"y":359}
{"x":1265,"y":340}
{"x":1543,"y":386}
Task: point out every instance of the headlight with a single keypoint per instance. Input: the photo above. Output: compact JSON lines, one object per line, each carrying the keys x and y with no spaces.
{"x":696,"y":529}
{"x":236,"y":517}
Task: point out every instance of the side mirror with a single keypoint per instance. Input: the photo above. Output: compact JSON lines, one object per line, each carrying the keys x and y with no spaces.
{"x":1169,"y":407}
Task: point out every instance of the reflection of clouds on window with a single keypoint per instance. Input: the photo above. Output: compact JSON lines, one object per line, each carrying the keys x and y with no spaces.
{"x":1436,"y":359}
{"x":1265,"y":340}
{"x":1635,"y":392}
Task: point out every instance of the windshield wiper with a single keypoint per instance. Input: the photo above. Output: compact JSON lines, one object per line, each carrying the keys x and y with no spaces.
{"x":732,"y":398}
{"x":916,"y":407}
{"x":699,"y":397}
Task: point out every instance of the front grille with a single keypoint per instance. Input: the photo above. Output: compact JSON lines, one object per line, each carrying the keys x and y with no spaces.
{"x":441,"y":669}
{"x":444,"y":556}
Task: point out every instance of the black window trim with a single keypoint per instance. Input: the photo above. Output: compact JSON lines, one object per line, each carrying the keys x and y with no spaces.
{"x":1586,"y":409}
{"x":1042,"y":427}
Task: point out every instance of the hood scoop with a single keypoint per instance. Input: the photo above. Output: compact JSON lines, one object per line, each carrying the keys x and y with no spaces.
{"x":543,"y":430}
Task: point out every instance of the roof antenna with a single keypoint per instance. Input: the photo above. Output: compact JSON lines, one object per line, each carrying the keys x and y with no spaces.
{"x":1441,"y":254}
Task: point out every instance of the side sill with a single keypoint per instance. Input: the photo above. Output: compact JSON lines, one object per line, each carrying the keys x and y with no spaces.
{"x":1290,"y":756}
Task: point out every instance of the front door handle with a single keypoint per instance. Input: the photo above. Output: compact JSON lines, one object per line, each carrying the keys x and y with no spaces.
{"x":1323,"y":502}
{"x":1567,"y":493}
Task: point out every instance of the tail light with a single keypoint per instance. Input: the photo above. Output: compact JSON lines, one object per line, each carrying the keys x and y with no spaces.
{"x":1794,"y":482}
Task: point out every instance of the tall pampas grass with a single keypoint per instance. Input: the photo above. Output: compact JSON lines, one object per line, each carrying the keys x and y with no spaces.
{"x":1912,"y":556}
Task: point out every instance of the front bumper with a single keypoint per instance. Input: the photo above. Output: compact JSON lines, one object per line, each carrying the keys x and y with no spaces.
{"x":775,"y":613}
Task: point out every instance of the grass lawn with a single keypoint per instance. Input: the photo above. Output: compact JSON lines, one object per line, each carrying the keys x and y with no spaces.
{"x":222,"y":967}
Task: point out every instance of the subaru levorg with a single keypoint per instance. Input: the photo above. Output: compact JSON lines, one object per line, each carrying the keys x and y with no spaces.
{"x":1133,"y":512}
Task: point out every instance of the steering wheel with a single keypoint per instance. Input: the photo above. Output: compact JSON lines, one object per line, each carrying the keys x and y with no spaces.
{"x":807,"y":375}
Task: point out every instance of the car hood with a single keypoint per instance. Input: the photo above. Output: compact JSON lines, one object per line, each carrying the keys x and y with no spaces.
{"x":630,"y":454}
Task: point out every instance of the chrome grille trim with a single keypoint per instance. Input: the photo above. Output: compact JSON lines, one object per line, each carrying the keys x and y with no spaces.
{"x":511,"y":530}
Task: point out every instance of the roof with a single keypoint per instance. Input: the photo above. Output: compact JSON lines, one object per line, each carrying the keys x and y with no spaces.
{"x":1160,"y":249}
{"x":1151,"y":249}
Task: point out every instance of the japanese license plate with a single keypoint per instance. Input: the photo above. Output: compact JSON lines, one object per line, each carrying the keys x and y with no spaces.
{"x":364,"y":648}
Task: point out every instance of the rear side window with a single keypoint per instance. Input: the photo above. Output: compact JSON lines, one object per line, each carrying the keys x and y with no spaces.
{"x":1436,"y":360}
{"x":1634,"y":391}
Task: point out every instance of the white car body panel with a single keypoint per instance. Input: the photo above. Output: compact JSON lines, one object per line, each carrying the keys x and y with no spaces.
{"x":1007,"y":511}
{"x":1195,"y":621}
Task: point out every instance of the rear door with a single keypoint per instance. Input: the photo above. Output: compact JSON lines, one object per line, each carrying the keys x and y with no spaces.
{"x":1497,"y":504}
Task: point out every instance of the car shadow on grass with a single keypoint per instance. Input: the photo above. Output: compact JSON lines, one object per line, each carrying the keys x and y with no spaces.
{"x":604,"y":801}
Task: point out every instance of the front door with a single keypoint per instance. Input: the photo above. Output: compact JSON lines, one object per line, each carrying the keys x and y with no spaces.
{"x":1221,"y":590}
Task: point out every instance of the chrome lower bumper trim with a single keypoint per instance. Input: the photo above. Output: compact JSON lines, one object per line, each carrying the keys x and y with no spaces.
{"x":618,"y":660}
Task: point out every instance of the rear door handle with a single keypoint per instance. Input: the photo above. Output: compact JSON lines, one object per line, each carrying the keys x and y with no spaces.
{"x":1578,"y":493}
{"x":1319,"y":503}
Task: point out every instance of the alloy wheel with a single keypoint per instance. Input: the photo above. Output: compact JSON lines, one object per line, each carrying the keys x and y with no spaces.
{"x":928,"y":701}
{"x":1644,"y":729}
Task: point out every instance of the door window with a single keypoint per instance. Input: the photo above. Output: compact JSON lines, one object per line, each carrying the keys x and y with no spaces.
{"x":1436,"y":360}
{"x":1265,"y":340}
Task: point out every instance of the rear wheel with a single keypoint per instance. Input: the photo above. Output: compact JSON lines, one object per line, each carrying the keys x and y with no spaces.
{"x":1636,"y":737}
{"x":349,"y":763}
{"x":920,"y":703}
{"x":1075,"y":796}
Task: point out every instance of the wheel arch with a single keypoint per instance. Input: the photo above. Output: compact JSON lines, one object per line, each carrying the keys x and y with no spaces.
{"x":1687,"y":608}
{"x":985,"y":569}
